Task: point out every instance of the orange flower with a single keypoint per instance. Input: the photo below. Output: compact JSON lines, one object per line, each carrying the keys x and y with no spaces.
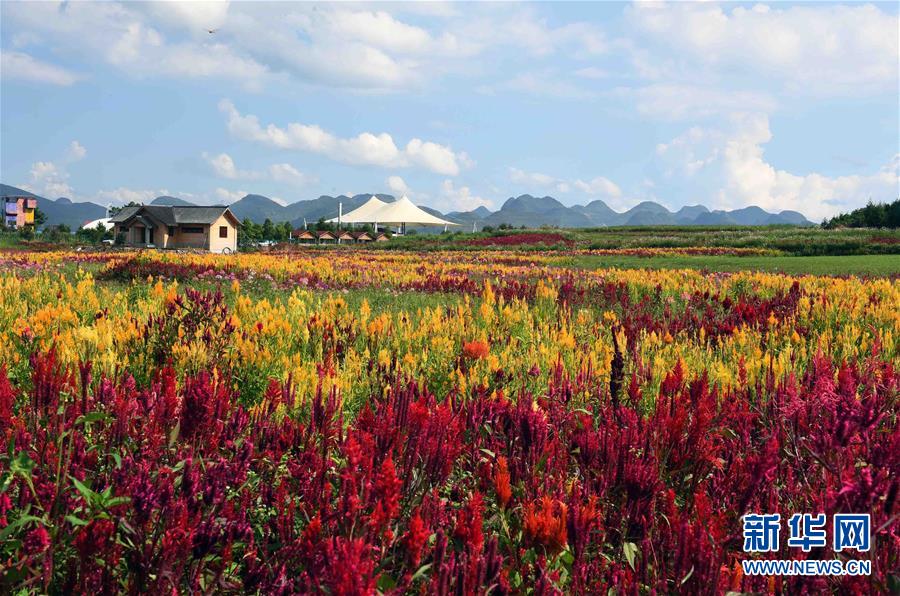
{"x":501,"y":482}
{"x":545,"y":523}
{"x":475,"y":349}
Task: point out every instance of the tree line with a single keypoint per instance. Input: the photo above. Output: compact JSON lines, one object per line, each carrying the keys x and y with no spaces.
{"x":873,"y":215}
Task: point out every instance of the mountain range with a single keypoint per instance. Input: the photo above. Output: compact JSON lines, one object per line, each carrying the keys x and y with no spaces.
{"x":524,"y":210}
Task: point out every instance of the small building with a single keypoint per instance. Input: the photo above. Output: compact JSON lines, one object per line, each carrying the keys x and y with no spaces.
{"x":18,"y":212}
{"x":325,"y":236}
{"x":381,"y":237}
{"x":363,"y":237}
{"x":345,"y":236}
{"x":156,"y":226}
{"x":303,"y":235}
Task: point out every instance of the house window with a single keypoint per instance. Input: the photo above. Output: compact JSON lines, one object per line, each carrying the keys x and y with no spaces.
{"x":223,"y":231}
{"x":189,"y":230}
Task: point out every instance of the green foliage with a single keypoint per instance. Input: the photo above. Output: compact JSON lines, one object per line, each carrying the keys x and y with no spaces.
{"x":873,"y":215}
{"x":94,"y":235}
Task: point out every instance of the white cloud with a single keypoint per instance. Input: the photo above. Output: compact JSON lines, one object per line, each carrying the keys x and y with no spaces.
{"x":679,"y":101}
{"x":830,"y":50}
{"x":462,"y":199}
{"x":344,"y":45}
{"x":599,"y":186}
{"x":732,"y":162}
{"x":595,"y":186}
{"x":522,"y":177}
{"x":541,"y":83}
{"x":285,"y":172}
{"x":223,"y":165}
{"x":121,"y":34}
{"x":229,"y":196}
{"x":397,"y":184}
{"x":195,"y":16}
{"x":77,"y":152}
{"x":363,"y":149}
{"x":21,"y":66}
{"x":124,"y":195}
{"x":49,"y":180}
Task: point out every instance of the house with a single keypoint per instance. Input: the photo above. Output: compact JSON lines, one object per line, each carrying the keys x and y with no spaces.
{"x":363,"y":237}
{"x":157,"y":226}
{"x":325,"y":236}
{"x":302,"y":235}
{"x":18,"y":212}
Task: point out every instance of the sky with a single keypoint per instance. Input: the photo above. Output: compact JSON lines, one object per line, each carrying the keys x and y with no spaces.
{"x":785,"y":106}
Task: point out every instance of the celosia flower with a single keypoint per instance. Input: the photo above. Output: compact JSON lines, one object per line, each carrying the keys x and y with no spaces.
{"x":475,"y":349}
{"x":545,"y":523}
{"x":501,"y":482}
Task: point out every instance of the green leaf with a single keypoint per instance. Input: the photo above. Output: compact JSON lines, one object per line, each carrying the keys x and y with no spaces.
{"x":8,"y":530}
{"x":386,"y":582}
{"x":420,"y":572}
{"x":89,"y":495}
{"x":688,"y":576}
{"x":488,"y":452}
{"x":173,"y":436}
{"x":630,"y":549}
{"x":75,"y":521}
{"x":92,"y":417}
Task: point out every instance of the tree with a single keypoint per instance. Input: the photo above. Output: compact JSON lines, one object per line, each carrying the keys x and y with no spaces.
{"x":57,"y":234}
{"x":268,"y":230}
{"x":40,"y":218}
{"x":249,"y":232}
{"x":114,"y":210}
{"x":873,"y":215}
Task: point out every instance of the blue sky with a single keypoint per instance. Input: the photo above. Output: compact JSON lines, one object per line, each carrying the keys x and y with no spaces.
{"x":457,"y":105}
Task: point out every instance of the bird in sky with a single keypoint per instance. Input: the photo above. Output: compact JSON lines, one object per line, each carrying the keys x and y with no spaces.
{"x":211,"y":31}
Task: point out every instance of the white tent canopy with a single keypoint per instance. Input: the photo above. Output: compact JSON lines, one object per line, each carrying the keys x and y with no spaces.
{"x":363,"y":213}
{"x":400,"y":212}
{"x":104,"y":221}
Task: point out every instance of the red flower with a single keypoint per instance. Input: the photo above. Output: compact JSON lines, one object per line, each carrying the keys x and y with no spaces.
{"x":37,"y":541}
{"x":468,"y":524}
{"x":415,"y":538}
{"x":475,"y":349}
{"x":545,"y":523}
{"x":501,"y":482}
{"x":387,"y":492}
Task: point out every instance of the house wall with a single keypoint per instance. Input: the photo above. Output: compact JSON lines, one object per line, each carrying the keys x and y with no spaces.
{"x":18,"y":212}
{"x":183,"y":239}
{"x":217,"y":244}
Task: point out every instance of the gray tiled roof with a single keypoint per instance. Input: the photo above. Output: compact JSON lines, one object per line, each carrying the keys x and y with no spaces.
{"x":123,"y":214}
{"x":171,"y":216}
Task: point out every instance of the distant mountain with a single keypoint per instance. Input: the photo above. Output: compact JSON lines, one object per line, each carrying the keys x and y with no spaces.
{"x":477,"y":214}
{"x":171,"y":201}
{"x":534,"y":211}
{"x":599,"y":213}
{"x":689,"y":213}
{"x":258,"y":208}
{"x":788,"y":217}
{"x":524,"y":210}
{"x":61,"y":210}
{"x":714,"y":218}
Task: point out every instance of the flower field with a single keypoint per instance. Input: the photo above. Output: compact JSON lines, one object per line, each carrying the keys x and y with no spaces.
{"x":479,"y":421}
